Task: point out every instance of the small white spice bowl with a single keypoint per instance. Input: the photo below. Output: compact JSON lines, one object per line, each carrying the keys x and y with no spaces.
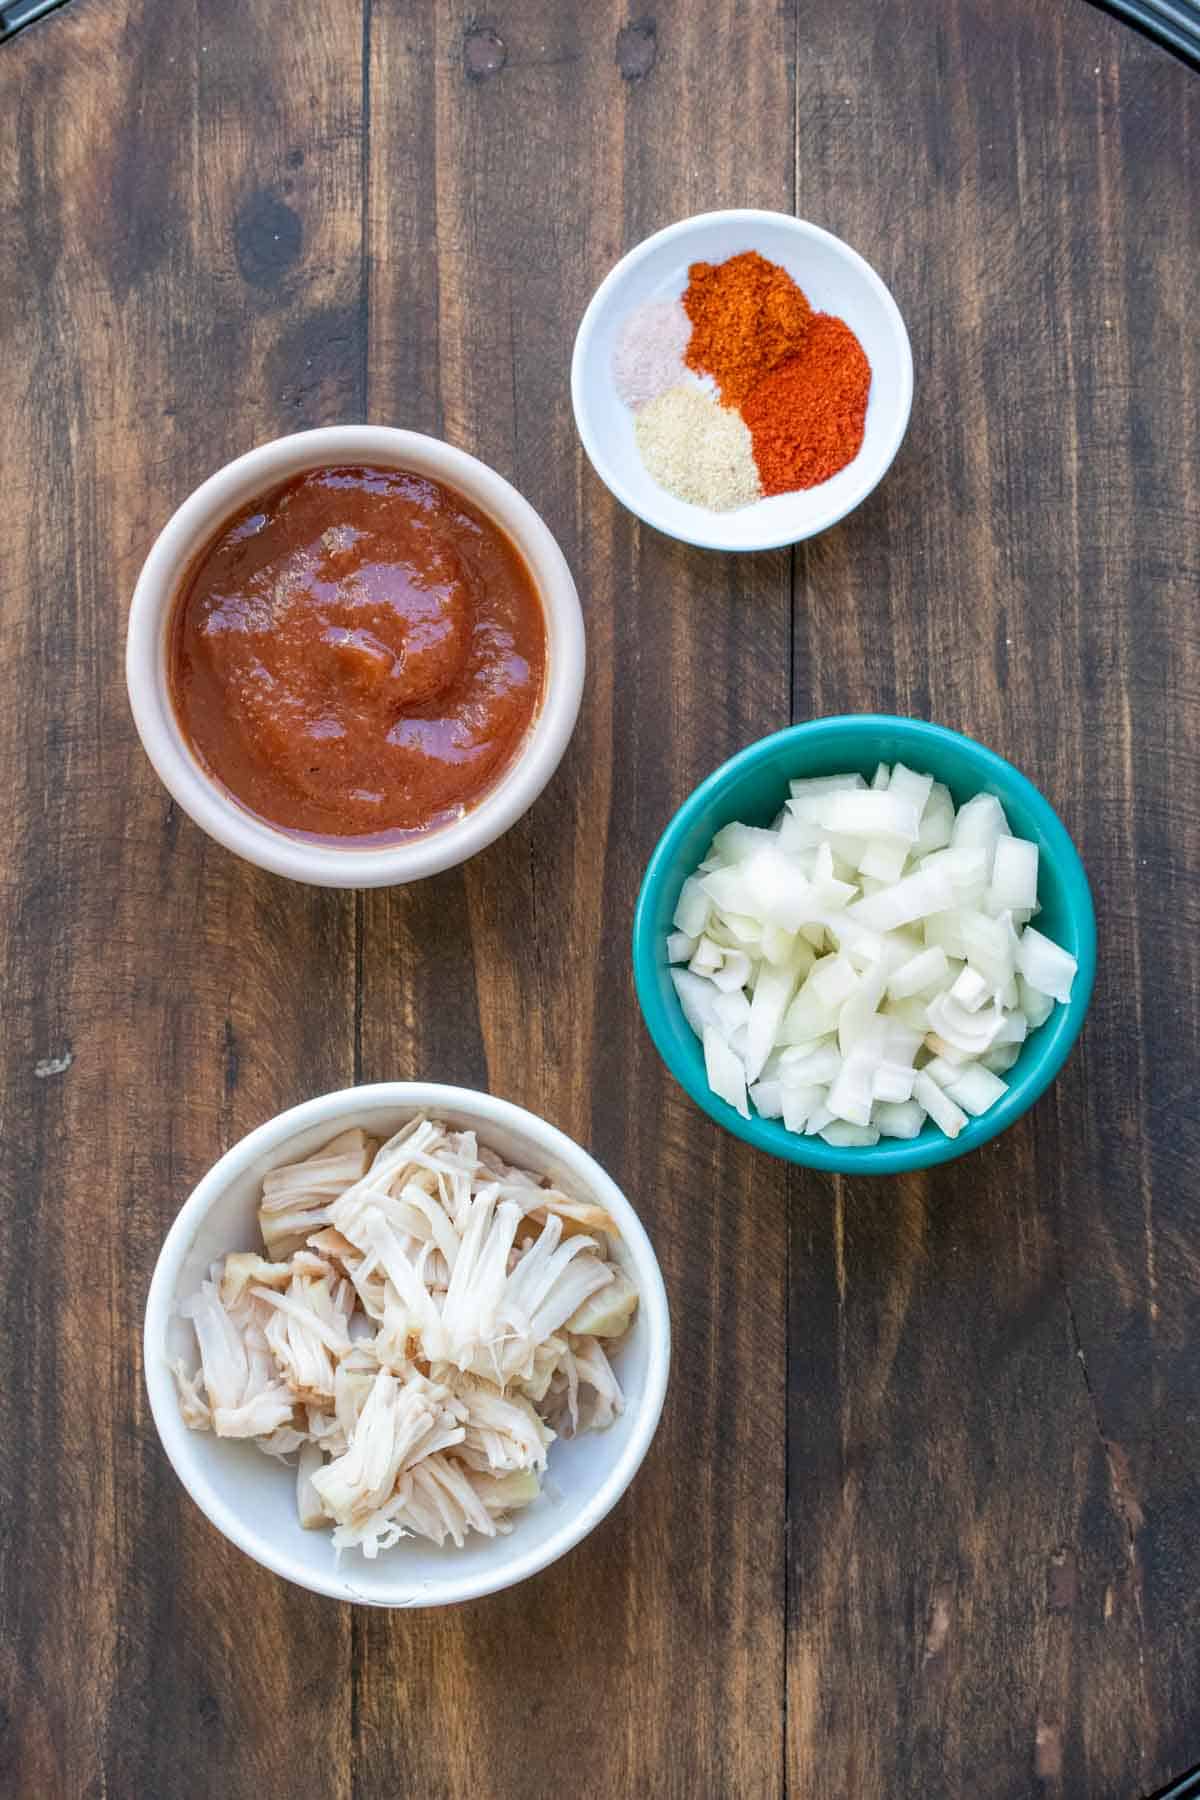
{"x":208,"y":802}
{"x":835,"y":279}
{"x":251,"y":1498}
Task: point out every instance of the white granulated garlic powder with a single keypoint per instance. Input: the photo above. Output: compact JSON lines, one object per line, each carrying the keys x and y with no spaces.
{"x":698,"y":450}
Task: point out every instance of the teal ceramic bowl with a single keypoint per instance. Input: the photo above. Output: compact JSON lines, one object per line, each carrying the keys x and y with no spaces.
{"x":752,"y":786}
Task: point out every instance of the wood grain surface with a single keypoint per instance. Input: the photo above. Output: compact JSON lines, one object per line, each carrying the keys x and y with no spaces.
{"x":923,"y":1515}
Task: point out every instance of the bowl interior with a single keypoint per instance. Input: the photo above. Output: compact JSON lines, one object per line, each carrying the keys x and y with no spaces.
{"x":752,"y":787}
{"x":251,"y":1497}
{"x":835,"y":279}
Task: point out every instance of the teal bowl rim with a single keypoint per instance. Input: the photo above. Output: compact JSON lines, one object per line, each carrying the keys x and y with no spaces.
{"x":1054,"y":1039}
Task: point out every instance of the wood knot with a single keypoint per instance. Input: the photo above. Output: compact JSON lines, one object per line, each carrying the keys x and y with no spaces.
{"x":637,"y":49}
{"x":484,"y":52}
{"x":268,"y":237}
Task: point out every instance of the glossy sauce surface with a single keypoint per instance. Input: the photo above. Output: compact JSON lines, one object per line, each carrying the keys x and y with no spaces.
{"x":358,"y":654}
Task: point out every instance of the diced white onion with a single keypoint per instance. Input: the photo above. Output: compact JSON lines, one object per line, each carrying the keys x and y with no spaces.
{"x":919,"y":972}
{"x":1014,"y":876}
{"x":841,"y":1133}
{"x":799,"y":1104}
{"x":870,"y":815}
{"x":768,"y":1099}
{"x":1045,"y":965}
{"x":1036,"y":1006}
{"x":866,"y":962}
{"x":970,"y":989}
{"x":708,"y":957}
{"x":734,"y":972}
{"x":912,"y":787}
{"x":726,"y":1075}
{"x":691,"y":914}
{"x":945,"y":1114}
{"x":898,"y":1119}
{"x":976,"y":1089}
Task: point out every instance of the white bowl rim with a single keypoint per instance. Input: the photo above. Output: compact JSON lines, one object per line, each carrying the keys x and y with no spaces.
{"x":207,"y":802}
{"x":712,"y":537}
{"x":402,"y":1096}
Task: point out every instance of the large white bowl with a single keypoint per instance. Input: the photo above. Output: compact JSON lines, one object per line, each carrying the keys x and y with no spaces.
{"x":207,"y":802}
{"x":836,"y":280}
{"x":251,"y":1497}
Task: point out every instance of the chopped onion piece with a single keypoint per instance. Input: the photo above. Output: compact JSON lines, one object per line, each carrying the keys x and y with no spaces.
{"x":839,"y":1132}
{"x":870,"y":815}
{"x":884,"y":859}
{"x":772,"y":993}
{"x":824,"y":784}
{"x":916,"y":896}
{"x":976,"y":1089}
{"x":725,"y":1071}
{"x":1036,"y":1006}
{"x":1000,"y":1058}
{"x":734,"y":972}
{"x":1045,"y":965}
{"x":1014,"y":1030}
{"x":943,"y":1071}
{"x":680,"y":947}
{"x":730,"y":1012}
{"x":734,"y":843}
{"x":1014,"y":876}
{"x":898,"y":1119}
{"x":893,"y":1083}
{"x":979,"y":825}
{"x":910,"y":786}
{"x":970,"y":990}
{"x":852,"y":1093}
{"x":708,"y":958}
{"x":799,"y":1104}
{"x":937,"y":820}
{"x":822,"y":1065}
{"x":919,"y":972}
{"x":768,"y":1099}
{"x":965,"y":869}
{"x":947,"y":1116}
{"x":970,"y":1032}
{"x":693,"y":909}
{"x":697,"y":998}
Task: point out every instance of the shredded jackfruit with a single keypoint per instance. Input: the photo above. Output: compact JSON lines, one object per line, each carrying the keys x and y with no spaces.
{"x":424,"y":1322}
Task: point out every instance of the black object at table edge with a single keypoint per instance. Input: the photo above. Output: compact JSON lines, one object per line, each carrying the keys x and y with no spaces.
{"x":1186,"y":1788}
{"x":1172,"y":23}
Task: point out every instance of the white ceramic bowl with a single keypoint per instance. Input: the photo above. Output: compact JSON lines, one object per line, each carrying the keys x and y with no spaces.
{"x":251,"y":1498}
{"x":835,"y":279}
{"x":207,"y":802}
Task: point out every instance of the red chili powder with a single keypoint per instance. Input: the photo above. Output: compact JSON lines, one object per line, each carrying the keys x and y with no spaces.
{"x":807,"y":417}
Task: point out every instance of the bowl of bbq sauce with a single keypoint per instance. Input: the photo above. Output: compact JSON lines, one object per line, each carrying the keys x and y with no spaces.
{"x":355,"y":656}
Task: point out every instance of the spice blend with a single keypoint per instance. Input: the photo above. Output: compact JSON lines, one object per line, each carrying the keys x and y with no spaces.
{"x":787,"y":388}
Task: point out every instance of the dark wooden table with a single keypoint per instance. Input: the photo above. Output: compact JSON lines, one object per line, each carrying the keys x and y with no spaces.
{"x":923,"y":1516}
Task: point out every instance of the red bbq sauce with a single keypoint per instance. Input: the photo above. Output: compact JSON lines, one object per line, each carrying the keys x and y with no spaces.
{"x":358,"y":655}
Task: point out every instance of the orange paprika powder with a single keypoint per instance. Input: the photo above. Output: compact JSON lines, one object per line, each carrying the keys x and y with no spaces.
{"x":808,"y":416}
{"x":747,"y":317}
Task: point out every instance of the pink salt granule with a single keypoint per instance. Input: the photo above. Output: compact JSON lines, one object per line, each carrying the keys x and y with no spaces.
{"x":649,"y":355}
